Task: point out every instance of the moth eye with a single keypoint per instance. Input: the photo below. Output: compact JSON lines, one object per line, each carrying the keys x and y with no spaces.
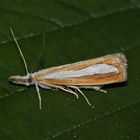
{"x":30,"y":79}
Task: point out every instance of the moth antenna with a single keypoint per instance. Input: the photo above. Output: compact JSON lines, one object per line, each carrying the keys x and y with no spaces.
{"x":23,"y":58}
{"x":41,"y":52}
{"x":39,"y":96}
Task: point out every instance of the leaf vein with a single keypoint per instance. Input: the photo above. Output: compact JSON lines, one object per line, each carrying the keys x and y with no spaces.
{"x":101,"y":15}
{"x":70,"y":5}
{"x":93,"y":120}
{"x":50,"y":20}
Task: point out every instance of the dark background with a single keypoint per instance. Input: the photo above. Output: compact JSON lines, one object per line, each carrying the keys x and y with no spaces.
{"x":74,"y":30}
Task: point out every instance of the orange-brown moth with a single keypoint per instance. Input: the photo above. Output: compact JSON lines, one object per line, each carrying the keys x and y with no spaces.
{"x":88,"y":74}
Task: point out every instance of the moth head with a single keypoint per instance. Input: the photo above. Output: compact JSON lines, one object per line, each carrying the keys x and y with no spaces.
{"x":21,"y":80}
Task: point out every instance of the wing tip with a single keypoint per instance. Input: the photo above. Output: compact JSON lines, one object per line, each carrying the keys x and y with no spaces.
{"x":121,"y":58}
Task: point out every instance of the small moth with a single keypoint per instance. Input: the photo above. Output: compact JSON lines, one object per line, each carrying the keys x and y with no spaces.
{"x":88,"y":74}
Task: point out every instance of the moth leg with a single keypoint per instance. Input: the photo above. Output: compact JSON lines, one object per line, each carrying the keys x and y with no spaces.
{"x":75,"y":87}
{"x":69,"y":91}
{"x":98,"y":88}
{"x":104,"y":91}
{"x":44,"y":86}
{"x":39,"y":96}
{"x":60,"y":87}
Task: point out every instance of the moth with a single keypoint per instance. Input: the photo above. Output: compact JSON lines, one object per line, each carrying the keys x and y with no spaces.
{"x":88,"y":74}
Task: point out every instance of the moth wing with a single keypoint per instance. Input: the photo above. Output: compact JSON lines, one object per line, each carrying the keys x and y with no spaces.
{"x":117,"y":61}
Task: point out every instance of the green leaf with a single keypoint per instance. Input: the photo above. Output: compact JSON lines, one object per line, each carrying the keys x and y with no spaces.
{"x":74,"y":30}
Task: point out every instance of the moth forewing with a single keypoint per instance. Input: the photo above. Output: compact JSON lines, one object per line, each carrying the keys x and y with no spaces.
{"x":99,"y":71}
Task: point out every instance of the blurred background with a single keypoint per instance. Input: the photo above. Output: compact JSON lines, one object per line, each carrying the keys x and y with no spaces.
{"x":56,"y":32}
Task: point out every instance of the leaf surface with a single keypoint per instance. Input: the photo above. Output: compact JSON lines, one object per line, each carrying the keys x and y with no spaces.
{"x":74,"y":30}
